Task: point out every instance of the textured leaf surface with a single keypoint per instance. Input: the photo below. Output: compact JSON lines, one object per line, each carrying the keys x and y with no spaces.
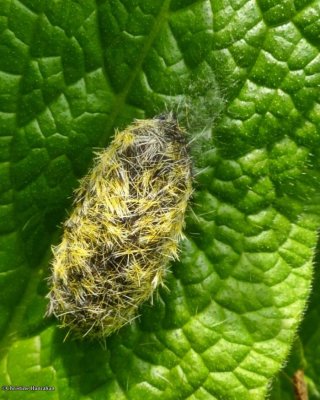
{"x":305,"y":353}
{"x":71,"y":71}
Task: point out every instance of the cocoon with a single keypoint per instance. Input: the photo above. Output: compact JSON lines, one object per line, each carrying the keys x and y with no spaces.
{"x":126,"y":223}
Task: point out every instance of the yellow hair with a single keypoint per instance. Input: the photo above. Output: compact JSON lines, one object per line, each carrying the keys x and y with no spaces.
{"x":126,"y":224}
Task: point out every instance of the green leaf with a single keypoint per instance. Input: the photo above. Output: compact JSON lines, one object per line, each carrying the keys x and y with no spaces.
{"x":70,"y":73}
{"x":305,"y":354}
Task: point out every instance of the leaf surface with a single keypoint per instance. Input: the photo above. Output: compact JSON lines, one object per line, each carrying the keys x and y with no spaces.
{"x":72,"y":71}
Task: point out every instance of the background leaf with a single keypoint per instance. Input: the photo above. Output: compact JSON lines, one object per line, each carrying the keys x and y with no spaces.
{"x":70,"y":72}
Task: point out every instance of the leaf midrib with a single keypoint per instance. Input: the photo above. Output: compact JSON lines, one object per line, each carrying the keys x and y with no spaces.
{"x":120,"y":98}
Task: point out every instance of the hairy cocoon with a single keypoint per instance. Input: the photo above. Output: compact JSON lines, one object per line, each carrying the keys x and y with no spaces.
{"x":126,"y":224}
